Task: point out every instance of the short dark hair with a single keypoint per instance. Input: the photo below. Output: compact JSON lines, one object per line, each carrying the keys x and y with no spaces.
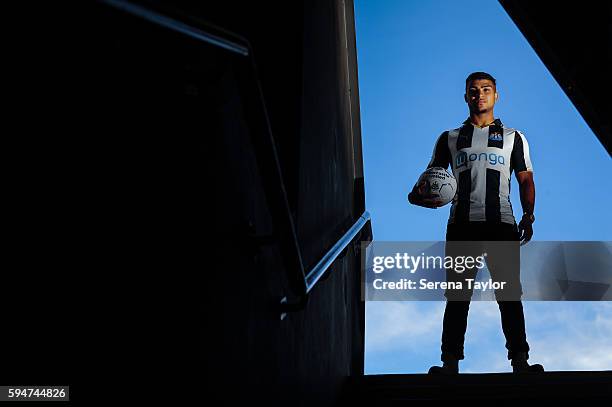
{"x":479,"y":75}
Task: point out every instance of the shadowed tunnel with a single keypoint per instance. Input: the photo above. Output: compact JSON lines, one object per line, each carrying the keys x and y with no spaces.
{"x":246,"y":116}
{"x":267,"y":94}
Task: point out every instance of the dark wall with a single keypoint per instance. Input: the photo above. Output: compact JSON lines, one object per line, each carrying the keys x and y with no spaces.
{"x":209,"y":110}
{"x":331,"y":173}
{"x":145,"y":184}
{"x":312,"y":101}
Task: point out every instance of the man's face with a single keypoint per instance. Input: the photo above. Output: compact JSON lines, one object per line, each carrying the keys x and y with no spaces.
{"x":481,"y":95}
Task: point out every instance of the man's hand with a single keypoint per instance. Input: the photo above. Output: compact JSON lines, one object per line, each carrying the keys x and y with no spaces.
{"x":416,"y":197}
{"x":525,"y":227}
{"x":527,"y":192}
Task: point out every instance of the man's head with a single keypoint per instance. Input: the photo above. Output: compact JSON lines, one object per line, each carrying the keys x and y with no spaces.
{"x":480,"y":92}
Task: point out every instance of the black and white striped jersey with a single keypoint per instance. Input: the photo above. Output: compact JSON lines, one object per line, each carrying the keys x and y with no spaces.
{"x":482,"y":160}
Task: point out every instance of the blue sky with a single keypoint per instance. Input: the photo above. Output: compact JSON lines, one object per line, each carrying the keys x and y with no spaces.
{"x":413,"y":57}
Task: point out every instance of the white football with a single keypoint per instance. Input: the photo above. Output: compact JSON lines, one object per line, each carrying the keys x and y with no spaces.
{"x":439,"y":184}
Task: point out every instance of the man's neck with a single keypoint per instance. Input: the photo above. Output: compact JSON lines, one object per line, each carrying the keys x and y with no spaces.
{"x":482,"y":119}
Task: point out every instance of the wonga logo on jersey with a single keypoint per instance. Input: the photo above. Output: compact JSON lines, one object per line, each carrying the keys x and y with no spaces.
{"x":463,"y":158}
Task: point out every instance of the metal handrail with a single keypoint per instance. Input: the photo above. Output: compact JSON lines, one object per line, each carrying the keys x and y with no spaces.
{"x":314,"y":275}
{"x":332,"y":254}
{"x":176,"y":25}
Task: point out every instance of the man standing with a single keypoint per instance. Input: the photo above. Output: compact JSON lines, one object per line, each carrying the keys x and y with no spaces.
{"x":483,"y":153}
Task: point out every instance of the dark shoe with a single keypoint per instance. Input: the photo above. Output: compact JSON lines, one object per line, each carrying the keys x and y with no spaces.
{"x":527,"y":368}
{"x":520,"y":365}
{"x":450,"y":367}
{"x":444,"y":370}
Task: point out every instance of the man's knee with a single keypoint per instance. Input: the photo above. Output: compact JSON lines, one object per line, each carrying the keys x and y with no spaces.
{"x":511,"y":291}
{"x":463,"y":295}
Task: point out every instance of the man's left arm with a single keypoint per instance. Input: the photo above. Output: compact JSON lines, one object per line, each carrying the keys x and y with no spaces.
{"x":521,"y":163}
{"x":527,"y":192}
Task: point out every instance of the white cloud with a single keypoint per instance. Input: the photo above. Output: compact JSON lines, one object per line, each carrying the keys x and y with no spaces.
{"x":562,"y":335}
{"x":578,"y":339}
{"x":396,"y":325}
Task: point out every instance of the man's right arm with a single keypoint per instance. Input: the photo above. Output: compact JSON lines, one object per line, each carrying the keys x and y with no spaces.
{"x":439,"y":158}
{"x":441,"y":154}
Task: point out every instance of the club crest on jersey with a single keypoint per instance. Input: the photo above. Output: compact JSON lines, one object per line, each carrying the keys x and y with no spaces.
{"x":495,"y":137}
{"x":463,"y":158}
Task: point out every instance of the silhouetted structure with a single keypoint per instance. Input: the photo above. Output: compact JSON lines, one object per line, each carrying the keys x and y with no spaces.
{"x":574,"y":43}
{"x":214,"y":149}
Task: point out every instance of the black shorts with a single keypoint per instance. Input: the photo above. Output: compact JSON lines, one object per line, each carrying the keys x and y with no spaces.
{"x":495,"y":244}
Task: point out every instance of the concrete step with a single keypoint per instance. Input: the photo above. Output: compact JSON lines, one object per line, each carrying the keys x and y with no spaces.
{"x":418,"y":389}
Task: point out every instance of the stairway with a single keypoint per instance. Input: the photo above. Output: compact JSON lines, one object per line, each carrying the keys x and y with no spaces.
{"x":490,"y":388}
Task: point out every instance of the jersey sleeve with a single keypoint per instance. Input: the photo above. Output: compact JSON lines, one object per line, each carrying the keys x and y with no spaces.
{"x":520,"y":159}
{"x":441,"y":153}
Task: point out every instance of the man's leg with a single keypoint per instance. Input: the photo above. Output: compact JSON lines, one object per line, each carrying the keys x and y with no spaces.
{"x":504,"y":265}
{"x":513,"y":325}
{"x":453,"y":330}
{"x":457,"y":303}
